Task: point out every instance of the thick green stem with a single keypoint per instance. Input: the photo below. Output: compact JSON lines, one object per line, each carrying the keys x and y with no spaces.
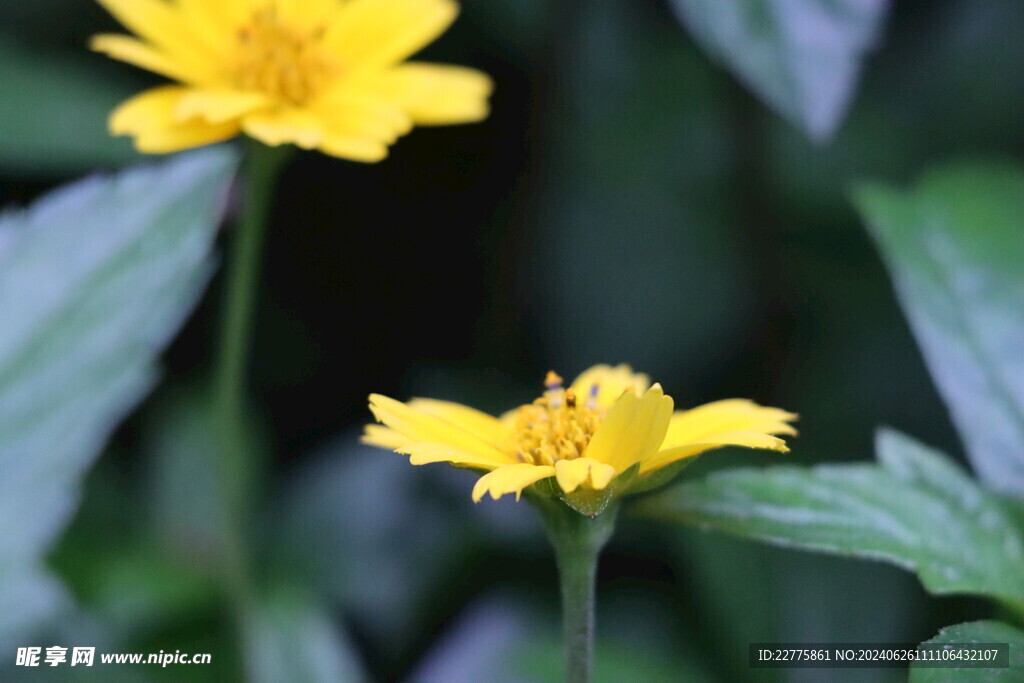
{"x":578,"y":541}
{"x":234,"y":469}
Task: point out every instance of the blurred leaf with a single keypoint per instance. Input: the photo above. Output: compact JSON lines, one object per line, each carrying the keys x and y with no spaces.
{"x":802,"y":57}
{"x":472,"y":648}
{"x":976,"y":632}
{"x":502,"y":640}
{"x":624,"y":239}
{"x":27,"y":594}
{"x":918,"y":511}
{"x":53,"y":111}
{"x":382,"y":567}
{"x":94,"y":280}
{"x":954,"y":247}
{"x":180,"y":441}
{"x":179,"y":438}
{"x":290,"y":638}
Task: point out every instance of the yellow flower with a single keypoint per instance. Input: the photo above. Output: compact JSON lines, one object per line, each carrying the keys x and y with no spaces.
{"x":609,"y":422}
{"x":323,"y":74}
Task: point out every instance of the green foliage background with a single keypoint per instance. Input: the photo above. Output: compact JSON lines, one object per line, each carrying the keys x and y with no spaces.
{"x":630,"y":200}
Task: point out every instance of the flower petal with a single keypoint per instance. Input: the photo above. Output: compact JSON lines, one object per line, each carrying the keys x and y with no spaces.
{"x":354,"y":148}
{"x":163,"y":25}
{"x":355,"y":109}
{"x":571,"y":474}
{"x":738,"y":438}
{"x":731,"y":415}
{"x":611,"y":383}
{"x":217,"y":105}
{"x":477,"y":422}
{"x":437,"y":94}
{"x":137,"y":53}
{"x":284,"y":126}
{"x":421,"y":426}
{"x":510,"y":479}
{"x":151,"y":119}
{"x":633,"y":429}
{"x":358,"y":125}
{"x":309,"y":14}
{"x":425,"y":453}
{"x":368,"y":33}
{"x":385,"y":437}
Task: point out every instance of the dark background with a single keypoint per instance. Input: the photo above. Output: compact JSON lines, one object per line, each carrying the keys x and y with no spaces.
{"x":627,"y":201}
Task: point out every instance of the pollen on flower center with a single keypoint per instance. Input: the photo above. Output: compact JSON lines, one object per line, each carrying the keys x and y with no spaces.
{"x":557,"y":426}
{"x":280,"y":60}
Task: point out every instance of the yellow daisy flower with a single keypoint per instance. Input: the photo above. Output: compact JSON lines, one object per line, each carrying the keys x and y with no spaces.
{"x":610,"y":422}
{"x":323,"y":74}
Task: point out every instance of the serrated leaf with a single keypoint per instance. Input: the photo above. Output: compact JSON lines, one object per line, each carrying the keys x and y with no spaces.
{"x":976,"y":632}
{"x":802,"y":57}
{"x":954,"y":246}
{"x":95,"y":278}
{"x":53,"y":111}
{"x":917,"y":511}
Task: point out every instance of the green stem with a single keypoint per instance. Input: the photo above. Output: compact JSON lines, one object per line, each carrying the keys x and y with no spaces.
{"x":234,"y":468}
{"x":578,"y":541}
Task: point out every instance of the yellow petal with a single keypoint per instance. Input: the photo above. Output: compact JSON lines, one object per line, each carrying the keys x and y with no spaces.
{"x":421,"y":426}
{"x":163,"y":25}
{"x":356,"y":110}
{"x":354,"y":148}
{"x":139,"y":54}
{"x":308,"y":14}
{"x":510,"y":479}
{"x":731,"y":415}
{"x":358,"y":126}
{"x":217,"y":105}
{"x":611,"y":383}
{"x":425,"y":453}
{"x":472,"y":420}
{"x":151,"y":119}
{"x":385,"y":437}
{"x":737,"y":438}
{"x":572,"y":474}
{"x":215,"y":23}
{"x":437,"y":94}
{"x":633,"y":429}
{"x":367,"y":33}
{"x":284,"y":126}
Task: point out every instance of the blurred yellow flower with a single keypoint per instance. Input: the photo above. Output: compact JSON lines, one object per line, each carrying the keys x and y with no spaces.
{"x":323,"y":74}
{"x":607,"y":421}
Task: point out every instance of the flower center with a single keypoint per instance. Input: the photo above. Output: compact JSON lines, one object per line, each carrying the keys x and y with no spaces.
{"x":556,"y":426}
{"x":278,"y":59}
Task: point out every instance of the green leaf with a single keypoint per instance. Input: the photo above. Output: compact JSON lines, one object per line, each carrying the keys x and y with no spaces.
{"x":53,"y":111}
{"x":801,"y":57}
{"x":95,"y":278}
{"x":179,"y":442}
{"x":290,"y":638}
{"x":976,"y":632}
{"x":954,"y":246}
{"x":917,"y":510}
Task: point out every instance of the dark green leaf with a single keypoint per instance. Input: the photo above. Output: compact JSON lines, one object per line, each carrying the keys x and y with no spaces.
{"x":976,"y":632}
{"x":801,"y":57}
{"x":53,"y":111}
{"x":94,"y":280}
{"x":917,"y":511}
{"x":954,"y":247}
